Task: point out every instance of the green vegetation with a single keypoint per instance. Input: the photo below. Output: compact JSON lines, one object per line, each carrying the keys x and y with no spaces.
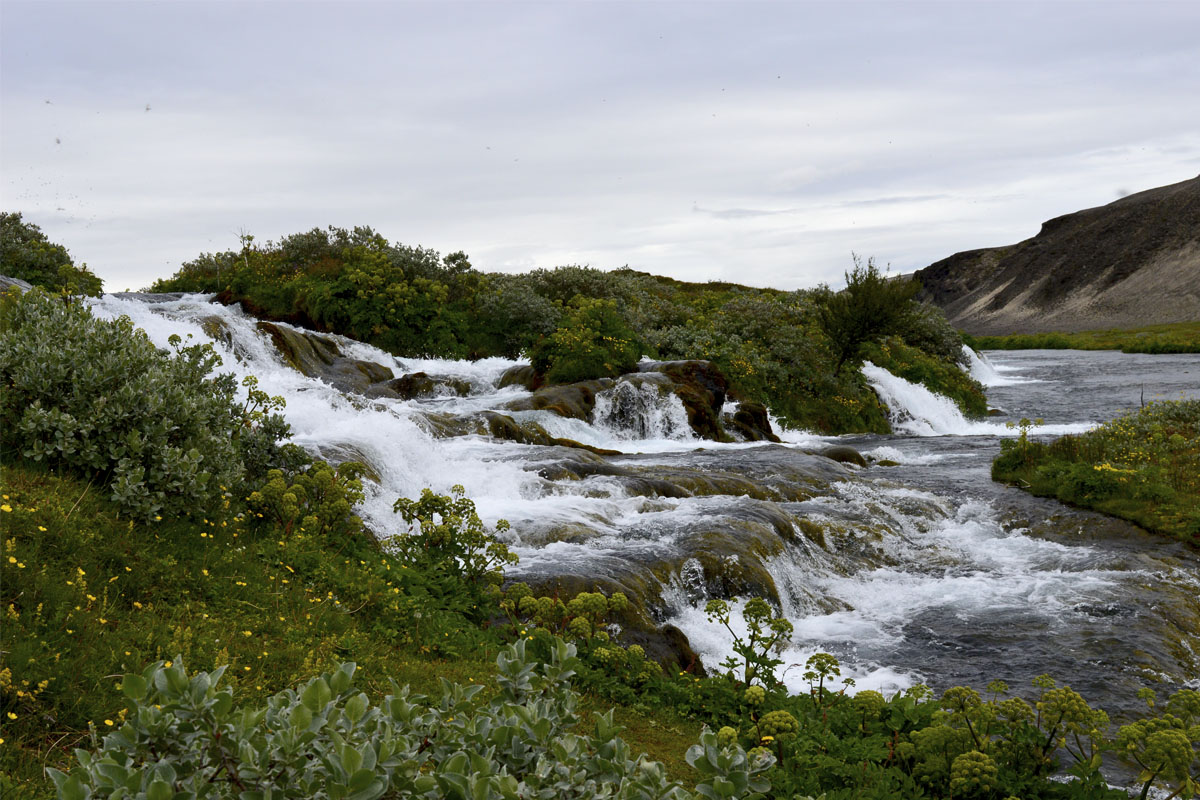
{"x":89,"y":596}
{"x":1178,"y":337}
{"x":791,"y":350}
{"x":156,"y":429}
{"x":591,"y":342}
{"x":26,"y":253}
{"x":260,"y":576}
{"x":185,"y":739}
{"x":871,"y":307}
{"x":1143,"y":467}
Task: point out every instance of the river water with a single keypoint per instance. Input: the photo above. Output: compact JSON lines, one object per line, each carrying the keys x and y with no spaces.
{"x":924,"y":571}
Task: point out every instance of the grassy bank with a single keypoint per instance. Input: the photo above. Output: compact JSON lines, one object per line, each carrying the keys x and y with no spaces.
{"x":1143,"y":467}
{"x":1180,"y":337}
{"x":89,"y":595}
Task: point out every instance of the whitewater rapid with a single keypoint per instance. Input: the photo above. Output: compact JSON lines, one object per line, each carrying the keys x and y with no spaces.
{"x":905,"y":584}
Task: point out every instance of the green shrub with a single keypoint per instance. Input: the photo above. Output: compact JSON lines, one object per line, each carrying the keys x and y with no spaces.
{"x":98,"y":397}
{"x":26,"y":253}
{"x":870,"y":307}
{"x":158,"y":428}
{"x":461,"y":560}
{"x":184,"y":738}
{"x":591,"y":342}
{"x":318,"y":500}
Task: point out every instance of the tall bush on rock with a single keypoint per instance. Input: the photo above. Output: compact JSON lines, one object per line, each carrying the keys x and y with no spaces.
{"x":593,"y":341}
{"x":870,"y":307}
{"x":156,"y":428}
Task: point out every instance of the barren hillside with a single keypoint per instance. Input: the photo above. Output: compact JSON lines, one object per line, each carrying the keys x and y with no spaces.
{"x":1132,"y":262}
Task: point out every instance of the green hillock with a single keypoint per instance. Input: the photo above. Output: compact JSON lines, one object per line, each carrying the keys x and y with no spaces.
{"x":797,"y":352}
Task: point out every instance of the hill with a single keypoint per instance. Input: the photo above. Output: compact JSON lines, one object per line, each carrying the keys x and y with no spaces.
{"x":1132,"y":262}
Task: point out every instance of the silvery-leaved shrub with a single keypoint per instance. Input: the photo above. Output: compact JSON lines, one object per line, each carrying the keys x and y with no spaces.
{"x":96,"y":396}
{"x":182,"y":737}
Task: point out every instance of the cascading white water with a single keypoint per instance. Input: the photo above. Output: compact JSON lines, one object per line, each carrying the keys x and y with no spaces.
{"x":383,"y":432}
{"x":919,"y":412}
{"x":641,"y":410}
{"x":983,"y":370}
{"x":896,"y":565}
{"x":936,"y":561}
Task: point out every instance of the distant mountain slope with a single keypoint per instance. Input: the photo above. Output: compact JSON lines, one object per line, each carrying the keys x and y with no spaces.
{"x":1132,"y":262}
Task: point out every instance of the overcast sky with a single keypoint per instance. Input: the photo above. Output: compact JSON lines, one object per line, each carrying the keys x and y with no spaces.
{"x":754,"y":142}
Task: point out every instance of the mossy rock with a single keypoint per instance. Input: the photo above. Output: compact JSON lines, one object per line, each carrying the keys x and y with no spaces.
{"x":320,"y":357}
{"x":751,"y":423}
{"x":572,"y":400}
{"x":702,"y":389}
{"x":523,"y":375}
{"x":416,"y":385}
{"x":844,"y":454}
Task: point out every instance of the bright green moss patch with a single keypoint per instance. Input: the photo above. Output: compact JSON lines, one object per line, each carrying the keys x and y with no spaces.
{"x":1179,"y":337}
{"x":1143,"y":467}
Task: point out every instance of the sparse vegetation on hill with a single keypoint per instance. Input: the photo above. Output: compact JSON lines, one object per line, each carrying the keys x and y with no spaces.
{"x":1132,"y":262}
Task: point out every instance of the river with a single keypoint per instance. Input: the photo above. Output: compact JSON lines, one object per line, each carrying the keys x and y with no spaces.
{"x":923,"y":571}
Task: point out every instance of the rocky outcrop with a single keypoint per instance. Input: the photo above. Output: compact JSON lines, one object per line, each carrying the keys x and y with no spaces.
{"x":699,"y":385}
{"x":750,"y":423}
{"x":7,"y":283}
{"x":320,"y":357}
{"x":150,"y":297}
{"x":1130,"y":263}
{"x":844,"y":454}
{"x":523,"y":375}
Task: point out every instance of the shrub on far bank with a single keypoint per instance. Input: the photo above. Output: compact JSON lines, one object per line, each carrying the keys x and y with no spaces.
{"x":592,"y":341}
{"x":1174,"y":337}
{"x":26,"y":253}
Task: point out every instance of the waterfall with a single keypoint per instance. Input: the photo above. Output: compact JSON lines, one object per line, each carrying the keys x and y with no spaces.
{"x":382,"y":432}
{"x":983,"y":370}
{"x":642,"y":408}
{"x":917,"y":411}
{"x":898,"y":583}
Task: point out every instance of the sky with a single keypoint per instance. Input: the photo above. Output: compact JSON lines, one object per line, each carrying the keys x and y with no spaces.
{"x":757,"y":142}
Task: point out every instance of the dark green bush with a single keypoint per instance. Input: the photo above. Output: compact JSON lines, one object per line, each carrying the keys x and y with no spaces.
{"x":592,"y":342}
{"x":26,"y":253}
{"x":155,"y":428}
{"x":871,"y":307}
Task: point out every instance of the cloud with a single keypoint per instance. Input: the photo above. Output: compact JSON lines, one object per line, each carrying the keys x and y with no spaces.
{"x":533,"y":136}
